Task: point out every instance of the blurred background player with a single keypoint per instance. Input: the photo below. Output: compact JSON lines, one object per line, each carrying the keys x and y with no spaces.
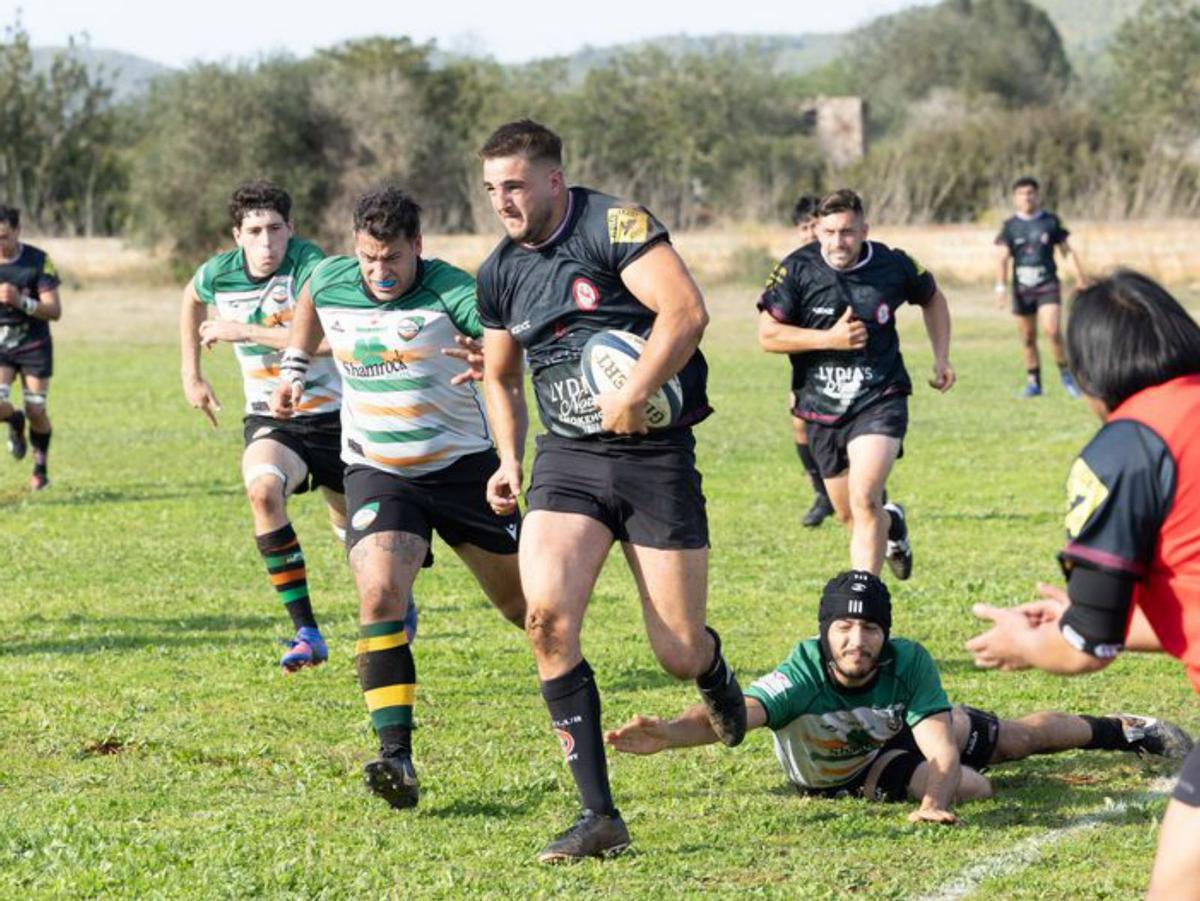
{"x":416,"y":445}
{"x":1029,"y":239}
{"x":804,"y":218}
{"x":1132,"y":557}
{"x":831,"y":306}
{"x":29,"y":302}
{"x":575,"y":262}
{"x":856,"y":712}
{"x":253,"y":289}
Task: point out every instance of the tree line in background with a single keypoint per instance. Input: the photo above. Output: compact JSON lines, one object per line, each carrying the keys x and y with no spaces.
{"x":963,"y":95}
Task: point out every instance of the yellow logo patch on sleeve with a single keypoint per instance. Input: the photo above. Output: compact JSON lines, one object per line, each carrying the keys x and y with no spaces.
{"x":49,"y":269}
{"x":776,"y":277}
{"x":628,"y":225}
{"x":1085,"y":494}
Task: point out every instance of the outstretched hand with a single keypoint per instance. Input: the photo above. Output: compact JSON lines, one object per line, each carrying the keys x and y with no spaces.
{"x":641,"y":735}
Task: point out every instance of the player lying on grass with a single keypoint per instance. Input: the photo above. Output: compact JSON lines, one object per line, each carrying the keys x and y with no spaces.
{"x":856,"y":712}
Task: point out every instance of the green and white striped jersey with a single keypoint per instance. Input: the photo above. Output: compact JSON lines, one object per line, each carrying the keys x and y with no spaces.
{"x":225,"y":282}
{"x":400,"y":413}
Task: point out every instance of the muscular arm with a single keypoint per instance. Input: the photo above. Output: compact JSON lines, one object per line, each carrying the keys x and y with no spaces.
{"x":937,"y":325}
{"x":504,"y":392}
{"x":661,"y":281}
{"x":935,"y":737}
{"x":777,"y":338}
{"x":650,"y":735}
{"x":276,"y":336}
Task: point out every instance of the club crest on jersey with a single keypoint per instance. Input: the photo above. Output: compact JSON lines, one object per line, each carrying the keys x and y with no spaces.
{"x":279,"y":292}
{"x":883,"y":314}
{"x":628,"y":225}
{"x":586,"y":294}
{"x":409,"y":327}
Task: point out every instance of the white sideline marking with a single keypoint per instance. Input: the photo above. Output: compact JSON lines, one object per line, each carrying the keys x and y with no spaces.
{"x":1027,"y":852}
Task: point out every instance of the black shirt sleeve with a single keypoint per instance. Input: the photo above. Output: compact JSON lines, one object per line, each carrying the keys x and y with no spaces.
{"x":1004,"y":239}
{"x":1118,"y":494}
{"x":1060,"y":232}
{"x":782,"y":296}
{"x":619,"y":232}
{"x":487,"y":296}
{"x":1098,"y":618}
{"x":919,"y":286}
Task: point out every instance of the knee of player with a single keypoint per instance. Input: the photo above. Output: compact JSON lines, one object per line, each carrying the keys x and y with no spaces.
{"x":265,"y":493}
{"x":844,"y":515}
{"x":684,"y":659}
{"x":1014,"y":741}
{"x":382,"y":600}
{"x":36,"y":411}
{"x":547,"y":629}
{"x":974,"y":786}
{"x":865,"y":505}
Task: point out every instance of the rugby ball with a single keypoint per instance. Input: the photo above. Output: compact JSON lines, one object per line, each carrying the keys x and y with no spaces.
{"x":607,"y":360}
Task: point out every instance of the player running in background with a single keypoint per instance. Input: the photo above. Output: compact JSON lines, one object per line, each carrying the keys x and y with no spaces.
{"x":416,"y":444}
{"x":804,"y":218}
{"x":856,"y":712}
{"x":29,"y":302}
{"x":1132,"y":558}
{"x":576,"y":262}
{"x":831,"y":306}
{"x":253,"y":289}
{"x":1029,"y":239}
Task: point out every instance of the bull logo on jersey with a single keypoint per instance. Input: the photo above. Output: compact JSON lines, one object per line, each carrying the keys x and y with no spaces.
{"x":586,"y":294}
{"x":409,"y":327}
{"x":628,"y":225}
{"x":1085,"y":494}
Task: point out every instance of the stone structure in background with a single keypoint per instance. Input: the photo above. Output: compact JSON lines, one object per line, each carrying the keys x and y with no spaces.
{"x":840,"y":127}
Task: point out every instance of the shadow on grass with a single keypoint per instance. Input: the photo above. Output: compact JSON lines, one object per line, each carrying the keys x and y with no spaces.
{"x":482,"y":808}
{"x":132,"y":632}
{"x":138,"y":493}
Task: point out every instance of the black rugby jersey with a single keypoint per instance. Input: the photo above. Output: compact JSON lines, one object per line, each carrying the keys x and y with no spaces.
{"x":1031,"y":242}
{"x":553,"y":297}
{"x":805,"y":291}
{"x":32,"y":272}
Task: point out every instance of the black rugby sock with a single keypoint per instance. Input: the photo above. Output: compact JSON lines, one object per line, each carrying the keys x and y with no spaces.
{"x":40,"y":442}
{"x":717,"y":673}
{"x":574,"y":704}
{"x":1107,"y":734}
{"x":810,"y":467}
{"x":1035,"y":376}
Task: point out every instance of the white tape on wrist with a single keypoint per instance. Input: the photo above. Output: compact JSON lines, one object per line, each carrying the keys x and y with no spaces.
{"x":293,"y":365}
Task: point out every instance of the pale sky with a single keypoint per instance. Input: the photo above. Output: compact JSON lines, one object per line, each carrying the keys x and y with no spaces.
{"x":211,"y":30}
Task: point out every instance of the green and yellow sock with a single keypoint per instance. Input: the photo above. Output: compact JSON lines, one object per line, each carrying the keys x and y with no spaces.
{"x":388,"y":678}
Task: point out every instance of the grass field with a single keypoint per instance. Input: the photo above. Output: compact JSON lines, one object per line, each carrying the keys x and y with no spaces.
{"x":150,"y":747}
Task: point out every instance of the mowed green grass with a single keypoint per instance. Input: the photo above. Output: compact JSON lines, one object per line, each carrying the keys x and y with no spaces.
{"x":136,"y":619}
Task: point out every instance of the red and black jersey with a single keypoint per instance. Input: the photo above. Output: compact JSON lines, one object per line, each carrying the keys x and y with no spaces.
{"x":1031,"y":241}
{"x":807,"y":292}
{"x":554,"y":296}
{"x":1134,"y":512}
{"x":32,"y":273}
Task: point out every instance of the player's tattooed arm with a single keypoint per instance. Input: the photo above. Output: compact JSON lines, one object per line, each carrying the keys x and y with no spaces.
{"x":199,"y":393}
{"x":934,"y":735}
{"x":650,"y":734}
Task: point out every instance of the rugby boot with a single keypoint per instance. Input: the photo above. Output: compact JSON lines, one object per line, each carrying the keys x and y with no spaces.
{"x":899,"y":551}
{"x":39,"y":481}
{"x":820,"y":510}
{"x":17,"y":445}
{"x":393,"y":778}
{"x":1154,"y":738}
{"x":592,"y":835}
{"x":1068,"y":383}
{"x":1031,"y":389}
{"x":308,"y":648}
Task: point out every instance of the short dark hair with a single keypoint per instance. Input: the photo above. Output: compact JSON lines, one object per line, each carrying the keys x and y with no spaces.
{"x":1026,"y":181}
{"x":526,"y":138}
{"x":11,"y":215}
{"x":258,"y":195}
{"x":1127,"y":333}
{"x":387,"y":213}
{"x":805,"y":208}
{"x":843,"y":200}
